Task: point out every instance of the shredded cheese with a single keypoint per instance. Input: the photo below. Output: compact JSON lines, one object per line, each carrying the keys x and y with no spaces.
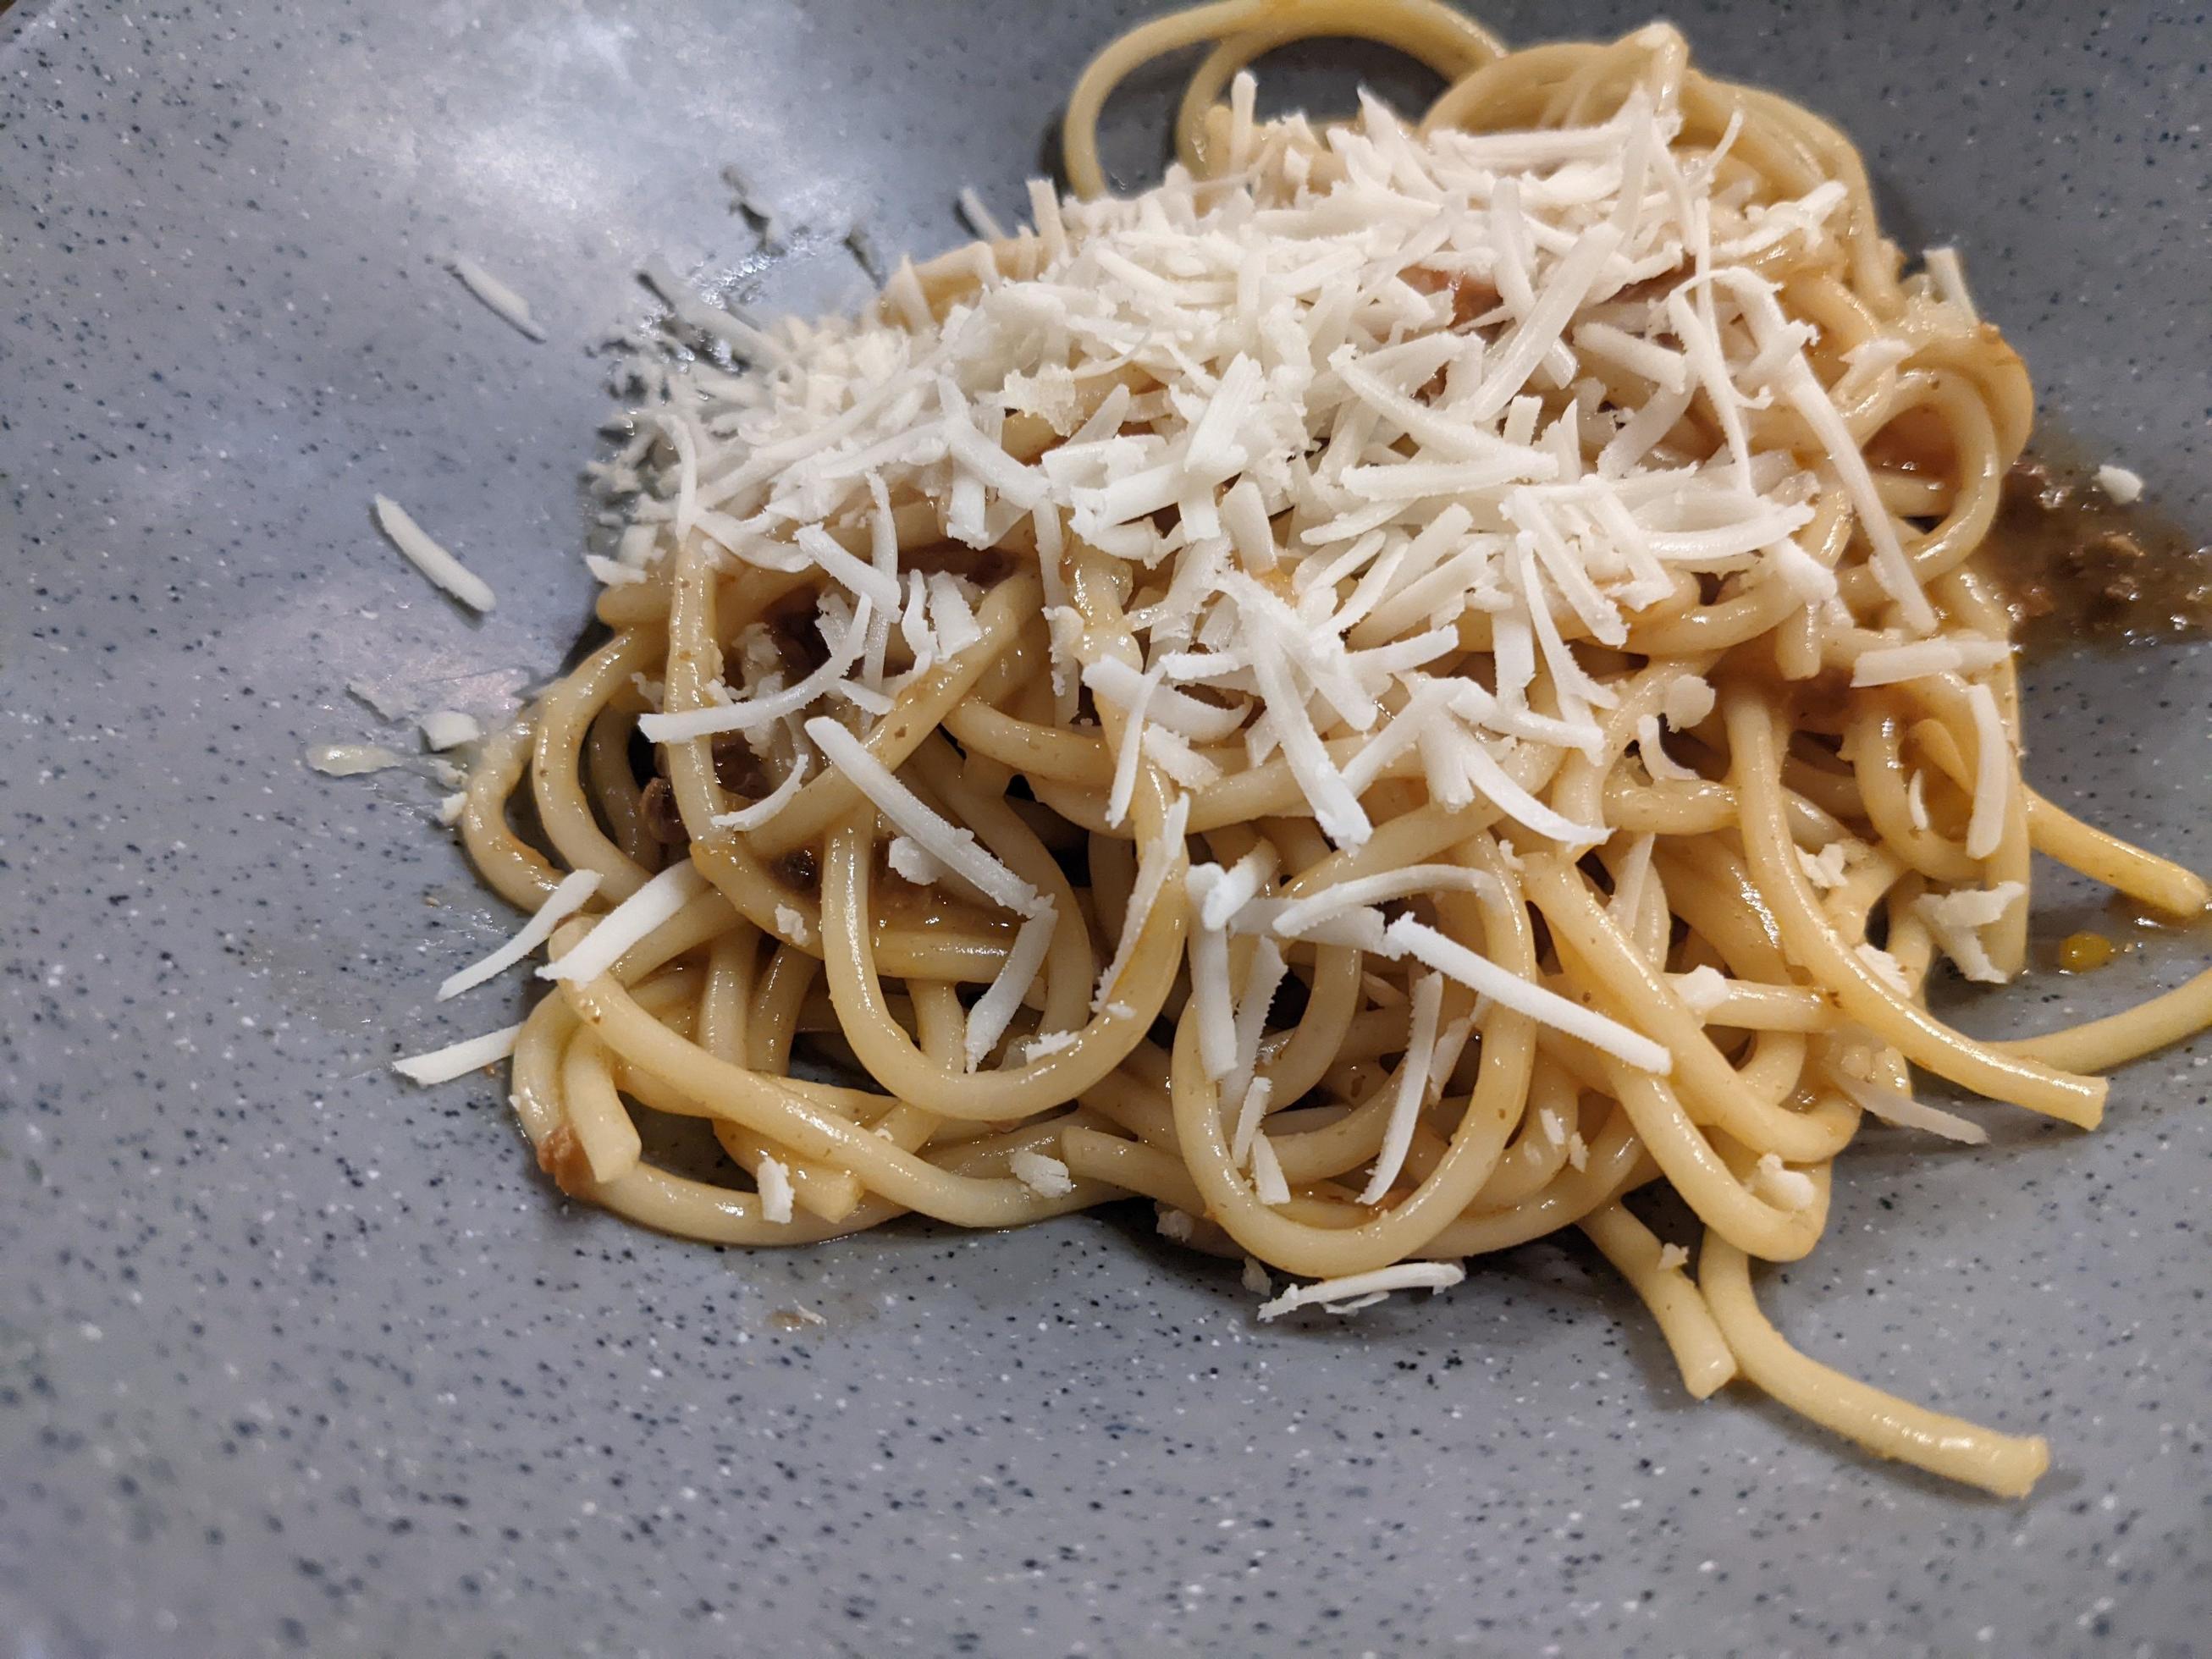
{"x":1508,"y":989}
{"x":459,"y":1059}
{"x":571,"y":895}
{"x":652,"y":906}
{"x":1339,"y":1294}
{"x":1409,"y":1090}
{"x":1956,"y":920}
{"x":429,"y":557}
{"x":1042,"y":1174}
{"x":501,"y":300}
{"x":774,"y":1180}
{"x":1903,"y":1111}
{"x":1267,"y":1182}
{"x":955,"y":847}
{"x":448,"y":728}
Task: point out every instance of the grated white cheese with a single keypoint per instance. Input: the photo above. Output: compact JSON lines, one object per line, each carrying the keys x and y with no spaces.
{"x":1178,"y":1224}
{"x":448,"y":728}
{"x":1905,"y":1112}
{"x":432,"y":560}
{"x":571,"y":895}
{"x":1426,"y":944}
{"x":1339,"y":1294}
{"x":910,"y":860}
{"x":752,"y":817}
{"x":1783,"y":1187}
{"x":1956,"y":920}
{"x":1673,"y":1258}
{"x":1301,"y":917}
{"x":1209,"y":979}
{"x":459,"y":1059}
{"x":501,"y":300}
{"x":1885,"y":968}
{"x":1250,"y":1113}
{"x":1254,"y":1278}
{"x":1959,"y":653}
{"x":774,"y":1180}
{"x":792,"y":925}
{"x":1043,"y":1175}
{"x":450,"y":808}
{"x":1410,"y":1089}
{"x":350,"y":760}
{"x":1703,"y":989}
{"x":1992,"y":775}
{"x":1002,"y":999}
{"x":1825,"y":868}
{"x":652,"y":906}
{"x":951,"y":846}
{"x":1267,"y":1182}
{"x":2125,"y":487}
{"x":1154,"y":866}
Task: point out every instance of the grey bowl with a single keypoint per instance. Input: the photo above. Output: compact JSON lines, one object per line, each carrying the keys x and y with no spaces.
{"x":294,"y":1358}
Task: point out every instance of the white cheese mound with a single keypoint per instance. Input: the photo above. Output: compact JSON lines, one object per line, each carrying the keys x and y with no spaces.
{"x":1320,"y":410}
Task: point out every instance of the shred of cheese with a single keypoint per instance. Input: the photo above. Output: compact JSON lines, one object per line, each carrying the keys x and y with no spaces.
{"x":569,"y":895}
{"x":772,"y":1177}
{"x":459,"y":1059}
{"x":652,"y":906}
{"x":498,"y":298}
{"x":1267,"y":1182}
{"x":1340,"y":1294}
{"x":449,"y":728}
{"x":1042,"y":1173}
{"x":431,"y":559}
{"x":1956,"y":919}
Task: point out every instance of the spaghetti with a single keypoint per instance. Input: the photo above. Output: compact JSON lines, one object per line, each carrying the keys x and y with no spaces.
{"x":1384,"y":695}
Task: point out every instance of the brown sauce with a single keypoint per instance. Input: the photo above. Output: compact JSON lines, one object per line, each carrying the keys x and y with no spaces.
{"x":2081,"y":570}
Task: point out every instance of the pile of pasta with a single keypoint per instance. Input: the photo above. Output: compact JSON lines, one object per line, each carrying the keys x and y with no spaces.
{"x":1385,"y":694}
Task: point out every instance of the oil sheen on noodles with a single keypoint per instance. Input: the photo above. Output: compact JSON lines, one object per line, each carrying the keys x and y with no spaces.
{"x":1386,"y":694}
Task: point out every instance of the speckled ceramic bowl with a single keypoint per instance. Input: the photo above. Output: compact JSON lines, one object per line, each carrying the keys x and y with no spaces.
{"x":293,"y":1358}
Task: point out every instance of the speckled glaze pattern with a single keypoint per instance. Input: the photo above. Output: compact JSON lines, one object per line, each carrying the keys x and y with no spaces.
{"x":293,"y":1359}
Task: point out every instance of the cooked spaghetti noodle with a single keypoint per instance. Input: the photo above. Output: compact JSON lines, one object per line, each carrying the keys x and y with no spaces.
{"x":1384,"y":694}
